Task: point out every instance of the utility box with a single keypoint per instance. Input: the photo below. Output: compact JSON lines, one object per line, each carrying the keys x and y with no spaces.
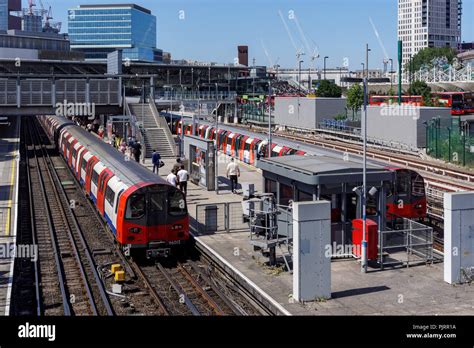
{"x":371,"y":236}
{"x":311,"y":262}
{"x":248,"y":189}
{"x":458,"y":237}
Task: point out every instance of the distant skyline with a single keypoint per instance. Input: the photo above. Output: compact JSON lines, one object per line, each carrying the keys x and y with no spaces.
{"x":211,"y":30}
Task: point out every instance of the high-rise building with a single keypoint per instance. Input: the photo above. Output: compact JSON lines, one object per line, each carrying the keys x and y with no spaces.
{"x":98,"y":30}
{"x":428,"y":23}
{"x":8,"y":21}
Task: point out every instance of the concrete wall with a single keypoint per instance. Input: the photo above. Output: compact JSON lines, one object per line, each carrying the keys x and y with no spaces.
{"x":403,"y":124}
{"x":458,"y":235}
{"x":305,"y":112}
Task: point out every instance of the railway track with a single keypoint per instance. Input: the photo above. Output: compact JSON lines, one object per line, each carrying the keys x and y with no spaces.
{"x":167,"y":288}
{"x":66,"y":275}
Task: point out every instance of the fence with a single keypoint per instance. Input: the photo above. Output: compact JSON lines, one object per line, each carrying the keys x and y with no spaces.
{"x":451,"y":143}
{"x":409,"y":242}
{"x":220,"y":217}
{"x":5,"y":221}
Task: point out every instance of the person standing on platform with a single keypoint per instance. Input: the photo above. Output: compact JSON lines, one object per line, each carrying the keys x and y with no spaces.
{"x":183,"y":177}
{"x":172,"y":178}
{"x":233,"y":172}
{"x":137,"y":151}
{"x":155,"y":159}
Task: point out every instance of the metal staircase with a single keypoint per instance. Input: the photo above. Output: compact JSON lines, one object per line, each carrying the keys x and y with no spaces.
{"x":157,"y":134}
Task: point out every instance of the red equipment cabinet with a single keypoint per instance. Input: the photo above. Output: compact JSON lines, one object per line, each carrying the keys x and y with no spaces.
{"x":371,"y":236}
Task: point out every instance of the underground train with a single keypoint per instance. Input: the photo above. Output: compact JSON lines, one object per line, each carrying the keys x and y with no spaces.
{"x":406,"y":198}
{"x":142,"y":210}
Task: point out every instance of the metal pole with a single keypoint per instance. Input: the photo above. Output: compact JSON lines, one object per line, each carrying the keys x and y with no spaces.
{"x":270,"y":119}
{"x":364,"y":173}
{"x":400,"y":59}
{"x":217,"y":148}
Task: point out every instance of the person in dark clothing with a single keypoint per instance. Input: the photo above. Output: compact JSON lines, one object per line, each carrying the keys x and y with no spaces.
{"x":177,"y":165}
{"x":156,"y":159}
{"x":137,"y":151}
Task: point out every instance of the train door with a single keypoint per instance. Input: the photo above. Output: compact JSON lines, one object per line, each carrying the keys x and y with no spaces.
{"x":228,"y":144}
{"x":80,"y":156}
{"x":89,"y":169}
{"x":86,"y":156}
{"x":254,"y":146}
{"x":104,"y":178}
{"x":69,"y":149}
{"x":75,"y":158}
{"x":97,"y":170}
{"x":72,"y":152}
{"x":247,"y":150}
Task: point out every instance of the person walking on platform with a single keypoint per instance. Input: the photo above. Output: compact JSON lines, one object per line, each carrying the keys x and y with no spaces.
{"x":233,"y":172}
{"x":183,"y":177}
{"x":156,"y":159}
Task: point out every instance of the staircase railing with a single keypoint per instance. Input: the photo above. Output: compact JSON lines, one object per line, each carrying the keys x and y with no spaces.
{"x":137,"y":132}
{"x":161,"y":122}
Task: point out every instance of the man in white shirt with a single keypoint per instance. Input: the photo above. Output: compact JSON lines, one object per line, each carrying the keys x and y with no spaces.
{"x":183,"y":177}
{"x":172,"y":179}
{"x":233,"y":172}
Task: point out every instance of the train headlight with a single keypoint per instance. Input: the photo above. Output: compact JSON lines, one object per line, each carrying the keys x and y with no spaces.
{"x":418,"y":206}
{"x":135,"y":230}
{"x":176,"y":227}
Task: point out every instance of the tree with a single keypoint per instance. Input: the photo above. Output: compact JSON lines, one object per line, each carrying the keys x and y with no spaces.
{"x":328,"y":89}
{"x":426,"y":56}
{"x":421,"y":88}
{"x":355,"y":97}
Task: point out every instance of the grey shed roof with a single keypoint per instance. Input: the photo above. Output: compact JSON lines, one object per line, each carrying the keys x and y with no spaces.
{"x":315,"y":170}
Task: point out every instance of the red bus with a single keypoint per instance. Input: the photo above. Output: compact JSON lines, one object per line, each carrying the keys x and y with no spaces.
{"x":453,"y":100}
{"x":469,"y":102}
{"x":386,"y":99}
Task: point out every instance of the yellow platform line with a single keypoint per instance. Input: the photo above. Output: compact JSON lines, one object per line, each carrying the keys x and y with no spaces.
{"x":9,"y":205}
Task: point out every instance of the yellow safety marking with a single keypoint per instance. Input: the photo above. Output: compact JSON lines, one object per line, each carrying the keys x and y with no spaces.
{"x":9,"y":205}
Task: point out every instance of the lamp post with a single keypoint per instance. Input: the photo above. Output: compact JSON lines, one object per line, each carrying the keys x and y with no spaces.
{"x":217,"y":148}
{"x":299,"y":71}
{"x":269,"y":118}
{"x":364,"y":172}
{"x":391,"y":74}
{"x":326,"y":57}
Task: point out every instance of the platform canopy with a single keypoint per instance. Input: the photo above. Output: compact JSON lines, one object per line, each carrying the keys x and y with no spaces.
{"x":317,"y":170}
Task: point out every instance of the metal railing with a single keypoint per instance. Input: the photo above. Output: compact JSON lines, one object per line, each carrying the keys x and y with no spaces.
{"x":407,"y":243}
{"x":161,"y":122}
{"x":220,"y":217}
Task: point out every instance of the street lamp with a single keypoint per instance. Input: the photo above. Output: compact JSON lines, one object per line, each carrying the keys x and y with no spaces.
{"x":325,"y":66}
{"x":270,"y":118}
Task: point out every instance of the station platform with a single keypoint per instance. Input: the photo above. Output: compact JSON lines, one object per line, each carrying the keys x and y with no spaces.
{"x":417,"y":290}
{"x":9,"y":161}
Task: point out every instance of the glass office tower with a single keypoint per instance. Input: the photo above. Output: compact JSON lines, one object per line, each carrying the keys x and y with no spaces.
{"x":3,"y":14}
{"x":98,"y":30}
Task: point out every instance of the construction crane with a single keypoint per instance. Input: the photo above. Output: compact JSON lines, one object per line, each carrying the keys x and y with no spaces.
{"x":49,"y":26}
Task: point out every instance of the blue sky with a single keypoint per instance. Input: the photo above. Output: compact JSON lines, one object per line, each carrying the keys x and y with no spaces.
{"x":211,"y":29}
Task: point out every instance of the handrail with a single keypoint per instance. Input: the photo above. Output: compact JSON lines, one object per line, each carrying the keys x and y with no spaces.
{"x":136,"y":132}
{"x":160,"y":121}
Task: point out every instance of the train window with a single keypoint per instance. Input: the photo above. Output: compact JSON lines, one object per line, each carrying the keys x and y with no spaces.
{"x":118,"y":200}
{"x":417,"y":185}
{"x":403,"y":182}
{"x":110,"y":196}
{"x":135,"y":206}
{"x":95,"y":177}
{"x":84,"y":164}
{"x":74,"y":153}
{"x":176,"y":203}
{"x":157,"y":201}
